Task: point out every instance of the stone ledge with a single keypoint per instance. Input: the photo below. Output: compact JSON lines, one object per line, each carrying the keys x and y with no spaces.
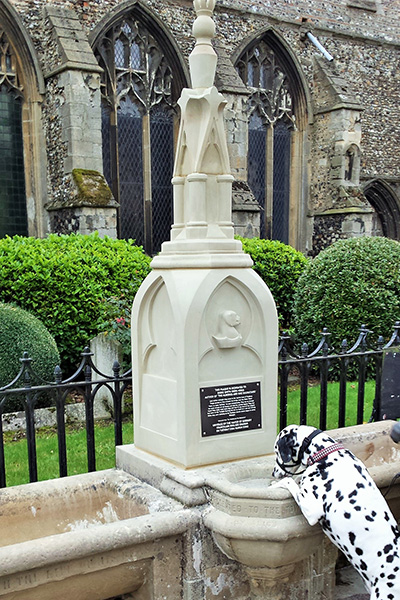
{"x":369,"y":5}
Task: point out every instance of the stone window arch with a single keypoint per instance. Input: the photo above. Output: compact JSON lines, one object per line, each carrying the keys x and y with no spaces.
{"x":22,"y":165}
{"x":13,"y":214}
{"x":277,"y":123}
{"x":386,"y":204}
{"x":141,"y":83}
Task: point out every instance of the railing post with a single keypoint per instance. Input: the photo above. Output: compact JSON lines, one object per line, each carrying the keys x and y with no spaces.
{"x":90,"y":436}
{"x":3,"y":482}
{"x":376,"y":409}
{"x":62,"y":442}
{"x":344,"y":363}
{"x":323,"y":378}
{"x":304,"y":375}
{"x":363,"y":360}
{"x":117,"y":404}
{"x":283,"y":381}
{"x":30,"y":419}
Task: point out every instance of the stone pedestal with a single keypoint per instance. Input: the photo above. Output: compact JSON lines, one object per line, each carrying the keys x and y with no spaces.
{"x":204,"y":350}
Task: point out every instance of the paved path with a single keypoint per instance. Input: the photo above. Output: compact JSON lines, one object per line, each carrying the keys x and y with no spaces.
{"x":350,"y":586}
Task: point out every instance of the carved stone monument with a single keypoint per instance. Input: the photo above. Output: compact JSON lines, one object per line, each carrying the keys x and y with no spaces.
{"x":204,"y":325}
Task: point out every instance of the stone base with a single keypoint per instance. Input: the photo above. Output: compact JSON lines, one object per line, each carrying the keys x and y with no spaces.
{"x":236,"y":497}
{"x":187,"y":486}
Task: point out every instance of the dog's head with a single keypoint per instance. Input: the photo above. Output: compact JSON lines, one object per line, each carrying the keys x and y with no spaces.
{"x":291,"y":447}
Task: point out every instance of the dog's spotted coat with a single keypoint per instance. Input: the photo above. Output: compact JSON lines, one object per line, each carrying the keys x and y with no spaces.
{"x":338,"y":492}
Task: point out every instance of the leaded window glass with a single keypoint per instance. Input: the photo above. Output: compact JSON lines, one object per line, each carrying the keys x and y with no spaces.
{"x":271,"y":123}
{"x":13,"y":217}
{"x":138,"y":123}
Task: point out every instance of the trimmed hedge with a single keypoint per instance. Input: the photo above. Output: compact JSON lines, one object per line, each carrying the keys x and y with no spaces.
{"x":64,"y":279}
{"x":280,"y":266}
{"x":353,"y":282}
{"x":22,"y":332}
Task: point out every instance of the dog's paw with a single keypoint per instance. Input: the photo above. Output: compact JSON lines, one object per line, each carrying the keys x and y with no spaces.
{"x":287,"y":483}
{"x":281,"y":483}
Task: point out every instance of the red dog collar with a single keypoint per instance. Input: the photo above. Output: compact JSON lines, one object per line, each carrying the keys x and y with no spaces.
{"x":324,"y":453}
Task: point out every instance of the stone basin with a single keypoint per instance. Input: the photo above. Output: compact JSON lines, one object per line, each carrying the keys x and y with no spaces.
{"x":371,"y":443}
{"x":262,"y":528}
{"x":255,"y":524}
{"x":94,"y":536}
{"x":34,"y":511}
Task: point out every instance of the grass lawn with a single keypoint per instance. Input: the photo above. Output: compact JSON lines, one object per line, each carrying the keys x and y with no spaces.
{"x":313,"y":404}
{"x":16,"y":454}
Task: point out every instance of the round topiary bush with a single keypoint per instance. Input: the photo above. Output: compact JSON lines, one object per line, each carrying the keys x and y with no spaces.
{"x":280,"y":266}
{"x":22,"y":332}
{"x":64,"y":279}
{"x":353,"y":282}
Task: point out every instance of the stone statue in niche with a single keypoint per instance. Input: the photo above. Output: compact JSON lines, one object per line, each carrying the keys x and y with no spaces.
{"x":227,"y":335}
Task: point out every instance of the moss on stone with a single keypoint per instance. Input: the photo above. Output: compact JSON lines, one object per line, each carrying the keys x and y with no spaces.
{"x":92,"y":188}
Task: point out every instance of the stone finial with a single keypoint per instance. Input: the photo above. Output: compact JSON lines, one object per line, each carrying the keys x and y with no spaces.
{"x":204,"y":7}
{"x":203,"y":59}
{"x":202,"y":235}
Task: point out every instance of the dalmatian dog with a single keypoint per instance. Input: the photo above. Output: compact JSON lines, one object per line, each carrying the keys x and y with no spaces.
{"x":336,"y":491}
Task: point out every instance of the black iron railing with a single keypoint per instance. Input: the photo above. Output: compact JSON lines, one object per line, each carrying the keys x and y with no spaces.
{"x":305,"y":366}
{"x":325,"y":363}
{"x":82,"y":383}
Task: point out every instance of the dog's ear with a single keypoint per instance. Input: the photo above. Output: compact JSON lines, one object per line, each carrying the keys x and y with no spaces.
{"x":285,"y":447}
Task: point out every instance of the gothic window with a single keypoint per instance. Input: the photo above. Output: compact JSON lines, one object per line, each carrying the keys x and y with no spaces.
{"x":386,"y":204}
{"x":271,"y":125}
{"x":13,"y":217}
{"x":138,"y":115}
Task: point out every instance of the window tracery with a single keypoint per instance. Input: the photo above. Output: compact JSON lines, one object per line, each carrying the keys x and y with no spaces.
{"x":8,"y":67}
{"x":268,"y":84}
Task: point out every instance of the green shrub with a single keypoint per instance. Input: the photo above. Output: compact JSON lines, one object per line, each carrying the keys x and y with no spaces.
{"x":64,"y":279}
{"x":353,"y":282}
{"x":22,"y":332}
{"x":280,"y":266}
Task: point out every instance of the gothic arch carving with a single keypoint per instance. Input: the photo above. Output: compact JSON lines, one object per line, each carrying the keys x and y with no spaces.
{"x":386,"y":205}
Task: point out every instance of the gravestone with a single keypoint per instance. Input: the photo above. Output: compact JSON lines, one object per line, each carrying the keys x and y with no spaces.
{"x":105,"y":352}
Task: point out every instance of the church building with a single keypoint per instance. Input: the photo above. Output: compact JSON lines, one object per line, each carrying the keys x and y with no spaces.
{"x":89,"y":116}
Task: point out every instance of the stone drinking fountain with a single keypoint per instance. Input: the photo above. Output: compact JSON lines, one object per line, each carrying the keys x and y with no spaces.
{"x":188,"y":512}
{"x":205,"y":335}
